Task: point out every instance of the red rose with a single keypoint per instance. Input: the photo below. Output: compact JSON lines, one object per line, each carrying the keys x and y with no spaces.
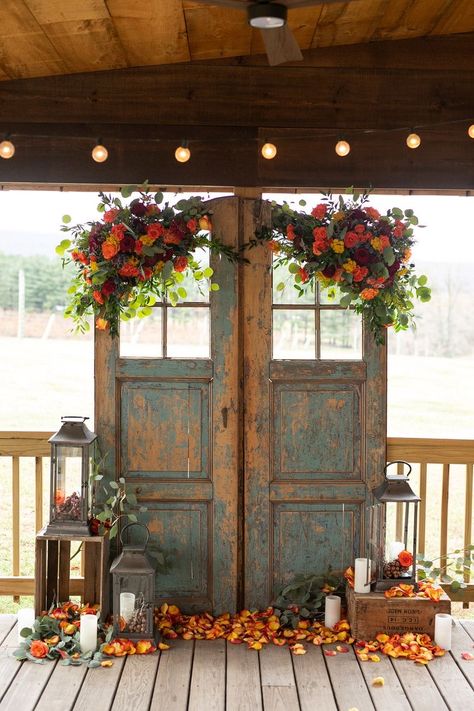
{"x":319,"y":211}
{"x":362,"y":256}
{"x":138,"y":208}
{"x":108,"y":287}
{"x":180,"y":264}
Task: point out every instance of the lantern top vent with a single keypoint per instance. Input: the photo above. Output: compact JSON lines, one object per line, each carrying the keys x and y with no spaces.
{"x":73,"y":432}
{"x":395,"y":487}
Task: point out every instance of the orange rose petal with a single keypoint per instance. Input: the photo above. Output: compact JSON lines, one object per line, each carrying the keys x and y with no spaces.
{"x":342,"y":649}
{"x":374,"y":658}
{"x":330,"y":652}
{"x":106,"y":663}
{"x":467,"y":656}
{"x":378,"y":681}
{"x":163,"y":646}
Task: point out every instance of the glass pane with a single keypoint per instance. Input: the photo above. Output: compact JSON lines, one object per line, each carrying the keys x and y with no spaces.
{"x":293,"y":334}
{"x":341,"y":335}
{"x":188,"y":332}
{"x":289,"y":295}
{"x":190,"y":284}
{"x":141,"y":338}
{"x":68,"y":494}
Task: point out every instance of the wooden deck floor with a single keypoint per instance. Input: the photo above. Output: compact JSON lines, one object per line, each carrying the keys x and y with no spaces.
{"x":212,"y":676}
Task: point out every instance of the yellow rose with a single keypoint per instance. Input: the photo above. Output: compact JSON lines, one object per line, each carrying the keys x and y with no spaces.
{"x":337,"y":245}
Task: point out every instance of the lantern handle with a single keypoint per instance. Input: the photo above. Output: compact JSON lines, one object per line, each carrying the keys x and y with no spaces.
{"x":135,"y":523}
{"x":397,"y":461}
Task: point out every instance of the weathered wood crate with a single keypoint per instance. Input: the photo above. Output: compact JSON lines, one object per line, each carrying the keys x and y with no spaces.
{"x":372,"y":613}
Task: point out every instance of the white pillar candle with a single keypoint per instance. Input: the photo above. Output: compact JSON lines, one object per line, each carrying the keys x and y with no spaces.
{"x":26,"y":618}
{"x":362,"y":576}
{"x":127,"y":605}
{"x":396,"y":547}
{"x":332,"y":610}
{"x":442,"y":633}
{"x":88,"y":633}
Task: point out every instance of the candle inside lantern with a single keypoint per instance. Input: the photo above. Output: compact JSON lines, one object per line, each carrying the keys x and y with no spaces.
{"x":362,"y":576}
{"x":88,"y":633}
{"x":127,"y":605}
{"x":332,"y":610}
{"x":396,"y":547}
{"x":442,"y":635}
{"x":26,"y":618}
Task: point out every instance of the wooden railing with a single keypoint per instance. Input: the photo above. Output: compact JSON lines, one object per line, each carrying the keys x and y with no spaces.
{"x":444,"y":453}
{"x":423,"y":452}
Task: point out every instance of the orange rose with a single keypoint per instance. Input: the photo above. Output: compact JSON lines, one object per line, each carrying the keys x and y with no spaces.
{"x":110,"y":248}
{"x":180,"y":264}
{"x":155,"y":230}
{"x":192,"y":225}
{"x":351,"y":239}
{"x":303,"y":274}
{"x":110,"y":215}
{"x":368,"y":294}
{"x":101,"y":324}
{"x":319,"y":211}
{"x":290,"y":232}
{"x":405,"y":558}
{"x":372,"y":213}
{"x":205,"y":223}
{"x":39,"y":649}
{"x":98,"y":297}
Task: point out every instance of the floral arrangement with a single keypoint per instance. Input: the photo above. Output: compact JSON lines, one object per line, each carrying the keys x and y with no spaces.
{"x":347,"y":244}
{"x":134,"y":255}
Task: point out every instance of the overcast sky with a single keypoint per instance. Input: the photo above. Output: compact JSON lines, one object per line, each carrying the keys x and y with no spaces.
{"x":30,"y":221}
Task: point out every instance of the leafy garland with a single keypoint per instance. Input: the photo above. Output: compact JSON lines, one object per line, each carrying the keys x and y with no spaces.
{"x":347,"y":245}
{"x":135,"y":255}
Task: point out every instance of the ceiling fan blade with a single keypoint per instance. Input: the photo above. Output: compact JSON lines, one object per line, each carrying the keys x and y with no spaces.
{"x":236,"y":4}
{"x":281,"y":46}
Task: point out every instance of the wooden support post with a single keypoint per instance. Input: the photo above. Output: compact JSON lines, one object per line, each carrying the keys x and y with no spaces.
{"x":16,"y":518}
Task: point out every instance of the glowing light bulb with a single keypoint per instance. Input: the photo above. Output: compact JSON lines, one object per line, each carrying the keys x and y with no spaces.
{"x":269,"y":151}
{"x":413,"y":140}
{"x":7,"y":149}
{"x":470,"y":131}
{"x":182,"y":154}
{"x":342,"y":148}
{"x":100,"y":153}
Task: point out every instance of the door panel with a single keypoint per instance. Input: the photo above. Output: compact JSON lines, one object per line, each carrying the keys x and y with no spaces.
{"x":315,"y":432}
{"x":174,"y":427}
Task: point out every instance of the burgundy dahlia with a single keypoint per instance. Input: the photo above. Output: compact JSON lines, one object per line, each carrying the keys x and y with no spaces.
{"x":362,"y":256}
{"x":137,"y":208}
{"x":127,"y":244}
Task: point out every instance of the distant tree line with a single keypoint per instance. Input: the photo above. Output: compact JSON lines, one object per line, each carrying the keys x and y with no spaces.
{"x":46,"y":283}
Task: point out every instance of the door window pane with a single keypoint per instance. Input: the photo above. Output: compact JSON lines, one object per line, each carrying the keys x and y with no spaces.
{"x":142,"y":338}
{"x":341,"y":334}
{"x":188,"y":332}
{"x":294,"y":333}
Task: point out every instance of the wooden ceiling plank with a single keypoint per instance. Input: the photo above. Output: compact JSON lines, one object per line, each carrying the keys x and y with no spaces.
{"x":151,"y":33}
{"x":216,"y":31}
{"x":459,"y":17}
{"x":348,"y":23}
{"x":51,"y":11}
{"x":25,"y":50}
{"x":87,"y":45}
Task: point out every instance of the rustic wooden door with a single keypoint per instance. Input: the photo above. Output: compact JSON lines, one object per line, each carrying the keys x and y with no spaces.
{"x":170,"y":424}
{"x":253,"y":462}
{"x":314,"y":428}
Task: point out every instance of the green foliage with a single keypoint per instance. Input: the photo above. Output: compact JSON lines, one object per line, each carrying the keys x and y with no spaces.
{"x":458,"y":563}
{"x":305,"y":596}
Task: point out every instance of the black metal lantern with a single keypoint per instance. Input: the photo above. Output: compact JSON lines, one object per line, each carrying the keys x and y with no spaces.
{"x":72,"y":451}
{"x":133,"y":590}
{"x":395,"y":508}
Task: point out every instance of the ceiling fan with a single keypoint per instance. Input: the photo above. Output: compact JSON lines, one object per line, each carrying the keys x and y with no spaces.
{"x":270,"y":18}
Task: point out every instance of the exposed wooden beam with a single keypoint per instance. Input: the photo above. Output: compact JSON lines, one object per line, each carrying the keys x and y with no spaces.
{"x":226,"y":109}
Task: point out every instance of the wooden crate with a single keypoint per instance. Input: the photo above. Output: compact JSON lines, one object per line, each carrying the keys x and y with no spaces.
{"x":53,"y":581}
{"x":372,"y":613}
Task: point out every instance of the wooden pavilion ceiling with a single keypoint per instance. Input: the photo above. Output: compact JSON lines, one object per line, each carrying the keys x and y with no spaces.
{"x":48,"y":37}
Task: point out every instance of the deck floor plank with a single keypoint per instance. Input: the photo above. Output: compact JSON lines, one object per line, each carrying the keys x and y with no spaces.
{"x":27,"y":686}
{"x":63,"y":678}
{"x":173,"y":678}
{"x":136,"y":684}
{"x":98,"y":689}
{"x":312,"y":681}
{"x":419,"y":687}
{"x":468,"y":626}
{"x":9,"y":666}
{"x":348,"y":682}
{"x":243,"y":690}
{"x":461,"y":642}
{"x":278,"y":679}
{"x":6,"y":625}
{"x":207,"y":691}
{"x":390,"y":695}
{"x":452,"y":684}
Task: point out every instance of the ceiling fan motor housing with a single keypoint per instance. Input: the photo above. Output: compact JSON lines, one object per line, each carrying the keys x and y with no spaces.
{"x":266,"y":15}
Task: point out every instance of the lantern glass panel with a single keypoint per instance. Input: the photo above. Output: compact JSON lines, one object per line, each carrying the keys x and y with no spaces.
{"x":68,"y":494}
{"x":375,"y":538}
{"x":135,"y":605}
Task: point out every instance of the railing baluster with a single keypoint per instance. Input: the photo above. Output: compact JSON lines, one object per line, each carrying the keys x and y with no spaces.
{"x":468,"y":521}
{"x":38,"y":494}
{"x":422,"y":522}
{"x":443,"y":544}
{"x":16,"y":518}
